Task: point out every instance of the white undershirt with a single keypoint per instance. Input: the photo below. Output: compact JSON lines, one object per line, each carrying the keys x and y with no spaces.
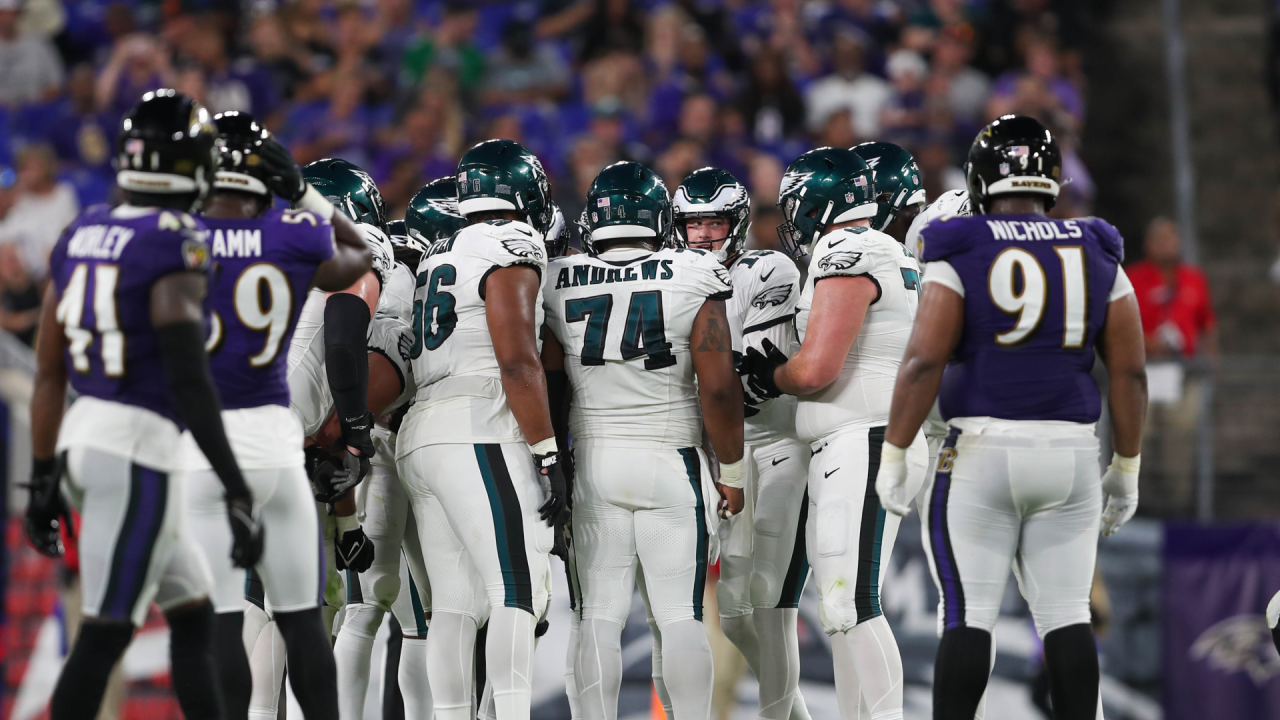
{"x":941,"y":272}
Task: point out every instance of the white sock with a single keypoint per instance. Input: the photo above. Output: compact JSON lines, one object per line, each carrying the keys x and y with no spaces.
{"x":688,"y":668}
{"x":599,"y":669}
{"x":570,"y":661}
{"x":509,"y":662}
{"x":266,"y":665}
{"x":451,"y":648}
{"x":412,"y":675}
{"x":659,"y":685}
{"x":779,"y":672}
{"x":352,"y":653}
{"x":741,"y":631}
{"x":873,"y":654}
{"x":848,"y":689}
{"x":487,"y":709}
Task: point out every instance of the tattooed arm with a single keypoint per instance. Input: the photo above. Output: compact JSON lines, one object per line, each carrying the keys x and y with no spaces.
{"x":839,"y":306}
{"x":719,"y":387}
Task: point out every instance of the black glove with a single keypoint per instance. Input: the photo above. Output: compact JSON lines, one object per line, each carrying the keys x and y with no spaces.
{"x":246,"y":532}
{"x":555,"y":511}
{"x":329,"y":477}
{"x":757,"y":370}
{"x":353,"y":551}
{"x":46,"y":508}
{"x":560,"y":543}
{"x":284,"y":177}
{"x":356,"y":433}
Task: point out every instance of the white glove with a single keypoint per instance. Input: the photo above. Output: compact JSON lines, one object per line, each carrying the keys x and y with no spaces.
{"x":891,"y":481}
{"x":1119,"y":492}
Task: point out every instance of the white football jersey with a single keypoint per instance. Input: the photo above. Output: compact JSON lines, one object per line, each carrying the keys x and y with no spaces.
{"x":624,"y":319}
{"x":459,"y":395}
{"x":951,"y":202}
{"x":861,"y":395}
{"x":766,"y":288}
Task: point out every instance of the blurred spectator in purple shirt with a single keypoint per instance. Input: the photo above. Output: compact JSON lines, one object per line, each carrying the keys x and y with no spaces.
{"x":82,"y":136}
{"x":231,"y":85}
{"x":849,"y":87}
{"x":905,"y":116}
{"x":1041,"y":63}
{"x":279,"y":54}
{"x":138,"y":63}
{"x":521,"y":72}
{"x":342,"y":126}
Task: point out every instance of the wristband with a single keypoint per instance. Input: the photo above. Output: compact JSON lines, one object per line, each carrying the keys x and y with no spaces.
{"x":313,"y":201}
{"x":890,"y":453}
{"x":346,"y":524}
{"x":733,"y":474}
{"x":545,"y":447}
{"x":1127,"y":465}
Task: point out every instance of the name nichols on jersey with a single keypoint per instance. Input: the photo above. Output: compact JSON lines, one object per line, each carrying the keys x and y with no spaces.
{"x":579,"y":275}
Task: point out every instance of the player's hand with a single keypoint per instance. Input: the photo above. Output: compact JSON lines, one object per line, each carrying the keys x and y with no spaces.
{"x":357,"y":434}
{"x":329,"y":477}
{"x":46,"y":508}
{"x":284,"y":177}
{"x":560,"y":543}
{"x":1119,"y":492}
{"x":353,"y":551}
{"x":757,"y":370}
{"x":731,"y":501}
{"x":555,"y":510}
{"x":891,"y":480}
{"x":246,"y":532}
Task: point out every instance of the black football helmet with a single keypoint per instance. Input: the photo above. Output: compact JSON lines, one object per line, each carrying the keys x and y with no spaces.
{"x":166,"y":147}
{"x":239,"y":166}
{"x":1015,"y":155}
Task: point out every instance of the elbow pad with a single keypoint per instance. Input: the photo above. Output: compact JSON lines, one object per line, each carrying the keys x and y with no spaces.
{"x":186,"y":367}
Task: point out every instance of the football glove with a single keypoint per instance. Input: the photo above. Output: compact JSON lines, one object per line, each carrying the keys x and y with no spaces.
{"x":356,"y":433}
{"x":246,"y":532}
{"x":353,"y":551}
{"x":757,"y":369}
{"x":328,"y":475}
{"x":284,"y":177}
{"x":1119,"y":492}
{"x":891,"y":480}
{"x":555,"y":510}
{"x":47,"y":510}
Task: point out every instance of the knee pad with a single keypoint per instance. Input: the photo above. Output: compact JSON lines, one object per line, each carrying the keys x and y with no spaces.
{"x":363,"y":619}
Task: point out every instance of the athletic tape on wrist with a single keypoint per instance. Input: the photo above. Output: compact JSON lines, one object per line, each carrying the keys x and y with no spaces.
{"x":892,"y":453}
{"x":733,"y":474}
{"x":346,"y":524}
{"x":313,"y":201}
{"x":545,"y":447}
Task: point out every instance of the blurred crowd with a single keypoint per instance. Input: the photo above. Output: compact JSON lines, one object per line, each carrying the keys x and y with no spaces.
{"x":403,"y":87}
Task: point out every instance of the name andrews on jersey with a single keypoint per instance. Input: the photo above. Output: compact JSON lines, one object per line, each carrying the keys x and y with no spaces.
{"x":591,"y":275}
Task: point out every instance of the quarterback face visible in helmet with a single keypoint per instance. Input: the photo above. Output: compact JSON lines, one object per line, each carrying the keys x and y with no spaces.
{"x":712,"y":212}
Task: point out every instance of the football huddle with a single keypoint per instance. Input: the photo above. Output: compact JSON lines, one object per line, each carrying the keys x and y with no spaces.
{"x":282,"y":415}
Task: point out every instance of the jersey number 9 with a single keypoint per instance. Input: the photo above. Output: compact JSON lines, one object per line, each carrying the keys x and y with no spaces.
{"x":263,"y":301}
{"x":1030,"y":304}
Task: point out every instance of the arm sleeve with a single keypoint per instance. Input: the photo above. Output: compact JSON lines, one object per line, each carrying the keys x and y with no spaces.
{"x":346,"y":325}
{"x":941,"y":272}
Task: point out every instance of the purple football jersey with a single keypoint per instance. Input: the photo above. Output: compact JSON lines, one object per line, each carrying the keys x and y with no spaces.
{"x":103,"y":269}
{"x":1036,"y":294}
{"x":262,"y":269}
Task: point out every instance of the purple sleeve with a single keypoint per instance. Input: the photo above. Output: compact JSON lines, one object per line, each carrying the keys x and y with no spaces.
{"x":310,"y":237}
{"x":1109,"y":238}
{"x":943,"y":238}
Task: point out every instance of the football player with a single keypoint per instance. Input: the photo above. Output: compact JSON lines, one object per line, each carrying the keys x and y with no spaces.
{"x":1273,"y":619}
{"x":900,"y":192}
{"x":854,"y":317}
{"x":124,"y":319}
{"x":384,"y":510}
{"x":266,"y":258}
{"x":643,"y":335}
{"x":1015,"y":305}
{"x":763,"y":564}
{"x":476,"y":452}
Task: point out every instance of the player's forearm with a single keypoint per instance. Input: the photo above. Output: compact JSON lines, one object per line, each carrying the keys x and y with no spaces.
{"x":805,"y":375}
{"x":913,"y":396}
{"x":346,"y":326}
{"x":48,"y":401}
{"x":525,"y":385}
{"x":722,"y":416}
{"x":558,"y":397}
{"x":1128,"y":405}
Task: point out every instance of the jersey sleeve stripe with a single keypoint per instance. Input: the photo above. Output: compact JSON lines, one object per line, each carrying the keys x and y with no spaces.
{"x":767,"y":324}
